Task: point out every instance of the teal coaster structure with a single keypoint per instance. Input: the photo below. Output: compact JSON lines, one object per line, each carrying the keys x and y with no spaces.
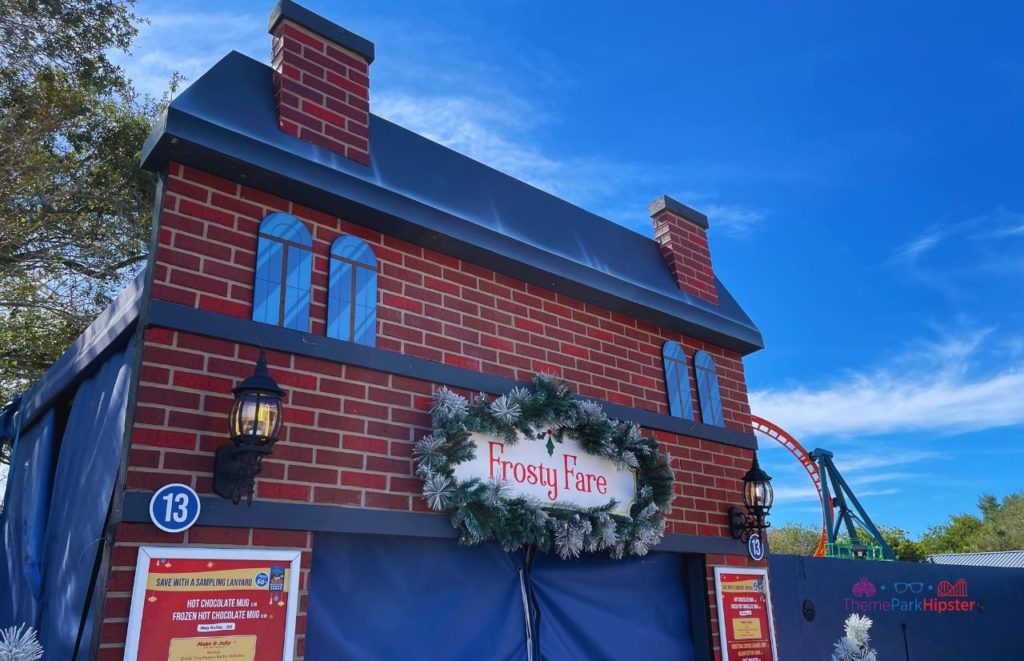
{"x":850,"y":513}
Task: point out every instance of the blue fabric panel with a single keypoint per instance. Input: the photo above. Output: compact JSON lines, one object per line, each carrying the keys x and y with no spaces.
{"x":296,"y":298}
{"x":339,"y":301}
{"x":596,"y":608}
{"x":8,"y":416}
{"x":365,"y":331}
{"x":355,"y":249}
{"x":677,"y":381}
{"x":707,"y":389}
{"x":23,"y":523}
{"x":379,"y":597}
{"x":266,"y":297}
{"x":83,"y":485}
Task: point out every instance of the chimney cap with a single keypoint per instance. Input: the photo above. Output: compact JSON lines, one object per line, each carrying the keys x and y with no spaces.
{"x":296,"y":13}
{"x":666,"y":203}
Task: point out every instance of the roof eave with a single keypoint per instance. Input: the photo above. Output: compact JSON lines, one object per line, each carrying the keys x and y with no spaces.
{"x":194,"y":141}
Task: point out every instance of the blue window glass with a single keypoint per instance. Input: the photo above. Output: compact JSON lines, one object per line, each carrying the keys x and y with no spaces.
{"x":284,"y":265}
{"x":677,"y":381}
{"x":352,"y":292}
{"x":707,"y":389}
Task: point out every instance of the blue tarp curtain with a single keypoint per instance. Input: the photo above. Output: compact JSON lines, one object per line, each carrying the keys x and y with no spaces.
{"x":376,"y":597}
{"x":23,"y":522}
{"x":597,"y":608}
{"x":56,"y":506}
{"x":90,"y":455}
{"x":412,"y":598}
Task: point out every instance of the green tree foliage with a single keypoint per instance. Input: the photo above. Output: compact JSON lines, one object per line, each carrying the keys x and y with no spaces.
{"x":793,"y":539}
{"x":999,"y":528}
{"x":798,"y":539}
{"x":74,"y":204}
{"x":904,"y":548}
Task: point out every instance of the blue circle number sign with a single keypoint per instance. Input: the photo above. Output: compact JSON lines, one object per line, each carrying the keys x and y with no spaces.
{"x":755,"y":548}
{"x":174,"y":508}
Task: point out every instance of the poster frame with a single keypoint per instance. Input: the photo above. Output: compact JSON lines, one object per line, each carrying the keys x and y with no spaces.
{"x":759,"y":571}
{"x":146,"y":553}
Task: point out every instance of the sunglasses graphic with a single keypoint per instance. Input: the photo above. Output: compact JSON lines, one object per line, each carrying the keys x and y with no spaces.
{"x":915,"y":587}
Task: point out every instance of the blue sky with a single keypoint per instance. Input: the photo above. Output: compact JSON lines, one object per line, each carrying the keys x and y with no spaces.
{"x":860,"y":166}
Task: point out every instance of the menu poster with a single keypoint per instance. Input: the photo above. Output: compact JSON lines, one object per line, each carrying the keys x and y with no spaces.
{"x":745,"y":621}
{"x":213,"y":604}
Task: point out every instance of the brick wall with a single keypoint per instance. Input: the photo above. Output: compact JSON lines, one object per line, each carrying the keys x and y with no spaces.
{"x":347,"y":435}
{"x":322,"y":92}
{"x":430,"y":305}
{"x":684,"y":246}
{"x":346,"y":440}
{"x":348,"y":431}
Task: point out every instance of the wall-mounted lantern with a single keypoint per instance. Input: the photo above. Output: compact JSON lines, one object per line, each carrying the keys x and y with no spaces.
{"x":758,"y":497}
{"x":254,"y":424}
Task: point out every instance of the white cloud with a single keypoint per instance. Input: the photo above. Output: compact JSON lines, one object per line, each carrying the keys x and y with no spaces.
{"x":936,"y":389}
{"x":956,"y":258}
{"x":734,"y":220}
{"x":863,"y":460}
{"x":921,"y":245}
{"x":785,"y":494}
{"x":190,"y":42}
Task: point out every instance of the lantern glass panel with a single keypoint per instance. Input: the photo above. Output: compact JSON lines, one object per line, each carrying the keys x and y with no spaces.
{"x":257,"y":416}
{"x":758,"y":494}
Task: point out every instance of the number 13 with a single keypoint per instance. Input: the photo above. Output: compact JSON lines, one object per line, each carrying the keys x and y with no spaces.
{"x":177,"y":507}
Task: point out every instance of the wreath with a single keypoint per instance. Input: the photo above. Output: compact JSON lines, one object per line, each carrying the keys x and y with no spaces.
{"x":485,"y":510}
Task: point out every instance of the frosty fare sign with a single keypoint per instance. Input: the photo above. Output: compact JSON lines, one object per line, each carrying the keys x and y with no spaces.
{"x":555,"y":474}
{"x":744,"y":614}
{"x":203,"y":604}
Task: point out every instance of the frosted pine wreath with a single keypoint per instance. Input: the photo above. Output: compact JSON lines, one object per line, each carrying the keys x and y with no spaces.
{"x":546,"y":413}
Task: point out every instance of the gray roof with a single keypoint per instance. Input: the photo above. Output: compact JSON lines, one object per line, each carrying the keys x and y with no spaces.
{"x":419,"y":191}
{"x":983,"y":559}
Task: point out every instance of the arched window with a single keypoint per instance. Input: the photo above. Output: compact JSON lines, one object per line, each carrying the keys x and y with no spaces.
{"x":284,"y":264}
{"x":677,"y":381}
{"x":352,"y":292}
{"x":707,"y":389}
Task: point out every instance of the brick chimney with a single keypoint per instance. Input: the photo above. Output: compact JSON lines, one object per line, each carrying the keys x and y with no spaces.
{"x":321,"y":81}
{"x":681,"y":233}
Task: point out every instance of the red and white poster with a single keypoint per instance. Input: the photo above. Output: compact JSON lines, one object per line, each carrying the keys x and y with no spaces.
{"x":213,"y":604}
{"x":745,"y":621}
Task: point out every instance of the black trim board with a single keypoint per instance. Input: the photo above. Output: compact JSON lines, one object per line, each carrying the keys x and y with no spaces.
{"x":245,"y":331}
{"x":278,"y":515}
{"x":666,"y":203}
{"x":697,"y":593}
{"x":296,"y":13}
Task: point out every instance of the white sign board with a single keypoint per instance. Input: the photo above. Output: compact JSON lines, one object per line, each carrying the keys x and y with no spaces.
{"x":568,"y":476}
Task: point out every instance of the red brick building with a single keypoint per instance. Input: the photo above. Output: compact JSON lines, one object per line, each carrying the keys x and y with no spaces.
{"x":391,"y":266}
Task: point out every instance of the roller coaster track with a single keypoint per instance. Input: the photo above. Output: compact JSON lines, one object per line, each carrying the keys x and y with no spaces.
{"x":787,"y":441}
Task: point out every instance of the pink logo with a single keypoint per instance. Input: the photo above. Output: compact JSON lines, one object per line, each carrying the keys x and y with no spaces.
{"x":947,"y":589}
{"x":864,"y":588}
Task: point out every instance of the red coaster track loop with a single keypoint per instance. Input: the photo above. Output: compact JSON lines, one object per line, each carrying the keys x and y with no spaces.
{"x":787,"y":441}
